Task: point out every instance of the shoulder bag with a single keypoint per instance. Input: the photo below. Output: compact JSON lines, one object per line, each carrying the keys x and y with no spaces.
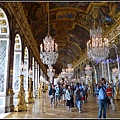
{"x":106,"y":98}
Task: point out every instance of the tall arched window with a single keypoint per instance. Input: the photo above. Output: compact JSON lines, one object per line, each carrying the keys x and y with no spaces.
{"x":113,"y":61}
{"x":26,"y":61}
{"x":36,"y":75}
{"x":16,"y":67}
{"x":38,"y":78}
{"x":4,"y":52}
{"x":33,"y":68}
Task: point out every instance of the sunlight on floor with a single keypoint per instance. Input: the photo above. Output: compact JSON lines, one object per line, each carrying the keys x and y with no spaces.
{"x":2,"y":115}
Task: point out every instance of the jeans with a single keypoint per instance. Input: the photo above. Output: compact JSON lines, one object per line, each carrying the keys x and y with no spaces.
{"x":78,"y":104}
{"x":52,"y":100}
{"x":102,"y":108}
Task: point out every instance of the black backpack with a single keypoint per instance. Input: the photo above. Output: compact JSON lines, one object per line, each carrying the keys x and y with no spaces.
{"x":78,"y":95}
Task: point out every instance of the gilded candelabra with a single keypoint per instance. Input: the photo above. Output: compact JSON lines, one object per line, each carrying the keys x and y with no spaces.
{"x":40,"y":90}
{"x":117,"y":95}
{"x":30,"y":92}
{"x":116,"y":74}
{"x":21,"y":106}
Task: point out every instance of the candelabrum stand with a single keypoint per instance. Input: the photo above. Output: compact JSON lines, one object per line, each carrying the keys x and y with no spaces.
{"x":117,"y":94}
{"x":30,"y":92}
{"x":40,"y":90}
{"x":21,"y":106}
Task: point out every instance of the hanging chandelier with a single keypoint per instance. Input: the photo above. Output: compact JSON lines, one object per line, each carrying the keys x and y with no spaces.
{"x":49,"y":49}
{"x":88,"y":70}
{"x":63,"y":73}
{"x":97,"y":47}
{"x":69,"y":71}
{"x":50,"y":72}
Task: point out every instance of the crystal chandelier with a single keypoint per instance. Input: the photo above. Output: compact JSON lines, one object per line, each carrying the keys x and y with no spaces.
{"x":49,"y":49}
{"x":63,"y":73}
{"x":50,"y":72}
{"x":88,"y":70}
{"x":69,"y":71}
{"x":97,"y":47}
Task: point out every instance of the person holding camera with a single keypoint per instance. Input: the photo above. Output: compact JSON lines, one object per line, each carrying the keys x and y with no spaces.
{"x":102,"y":98}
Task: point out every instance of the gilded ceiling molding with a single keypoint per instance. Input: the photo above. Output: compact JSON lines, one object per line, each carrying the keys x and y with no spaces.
{"x":82,"y":59}
{"x":113,"y":32}
{"x":17,"y":10}
{"x":76,"y":46}
{"x":78,"y":9}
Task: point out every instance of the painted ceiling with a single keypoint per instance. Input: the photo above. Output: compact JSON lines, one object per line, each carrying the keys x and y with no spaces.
{"x":69,"y":24}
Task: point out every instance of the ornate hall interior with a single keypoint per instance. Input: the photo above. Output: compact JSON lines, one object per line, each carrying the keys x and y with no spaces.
{"x":42,"y":41}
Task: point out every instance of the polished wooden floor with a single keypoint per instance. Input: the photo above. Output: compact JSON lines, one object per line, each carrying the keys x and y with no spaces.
{"x":41,"y":109}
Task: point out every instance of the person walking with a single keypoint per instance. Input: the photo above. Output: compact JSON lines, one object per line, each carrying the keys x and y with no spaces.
{"x":78,"y":99}
{"x":64,"y":94}
{"x":110,"y":96}
{"x":102,"y":98}
{"x":69,"y":97}
{"x":52,"y":95}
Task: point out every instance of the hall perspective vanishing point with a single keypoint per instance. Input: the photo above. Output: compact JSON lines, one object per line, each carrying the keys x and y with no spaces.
{"x":23,"y":28}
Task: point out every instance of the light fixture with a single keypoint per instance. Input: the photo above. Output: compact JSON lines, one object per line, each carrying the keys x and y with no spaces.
{"x":49,"y":49}
{"x":88,"y":70}
{"x":63,"y":73}
{"x":50,"y":71}
{"x":69,"y":71}
{"x":97,"y":47}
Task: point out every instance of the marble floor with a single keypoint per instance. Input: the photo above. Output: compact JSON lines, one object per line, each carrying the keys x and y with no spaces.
{"x":41,"y":109}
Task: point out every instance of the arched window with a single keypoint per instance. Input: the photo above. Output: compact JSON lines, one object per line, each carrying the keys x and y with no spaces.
{"x":16,"y":67}
{"x":26,"y":63}
{"x":4,"y":58}
{"x":33,"y":68}
{"x":36,"y":76}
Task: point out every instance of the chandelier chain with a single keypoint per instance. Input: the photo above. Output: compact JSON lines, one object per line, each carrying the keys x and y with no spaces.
{"x":48,"y":20}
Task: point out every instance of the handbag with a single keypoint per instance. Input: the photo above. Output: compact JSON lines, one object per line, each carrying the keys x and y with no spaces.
{"x":106,"y":98}
{"x":51,"y":96}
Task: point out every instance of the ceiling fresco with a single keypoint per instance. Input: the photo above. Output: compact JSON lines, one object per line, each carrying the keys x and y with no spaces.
{"x":70,"y":23}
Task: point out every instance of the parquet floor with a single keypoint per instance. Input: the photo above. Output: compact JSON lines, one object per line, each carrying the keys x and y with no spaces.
{"x":41,"y":109}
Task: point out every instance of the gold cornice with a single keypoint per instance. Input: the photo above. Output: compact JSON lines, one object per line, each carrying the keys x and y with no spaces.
{"x":17,"y":10}
{"x":77,"y":9}
{"x":113,"y":30}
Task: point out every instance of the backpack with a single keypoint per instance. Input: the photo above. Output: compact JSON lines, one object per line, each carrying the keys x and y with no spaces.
{"x":78,"y":95}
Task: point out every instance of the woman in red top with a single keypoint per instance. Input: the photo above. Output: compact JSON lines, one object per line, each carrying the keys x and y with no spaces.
{"x":110,"y":96}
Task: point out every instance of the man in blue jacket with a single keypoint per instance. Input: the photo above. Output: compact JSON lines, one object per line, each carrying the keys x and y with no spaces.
{"x":101,"y":98}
